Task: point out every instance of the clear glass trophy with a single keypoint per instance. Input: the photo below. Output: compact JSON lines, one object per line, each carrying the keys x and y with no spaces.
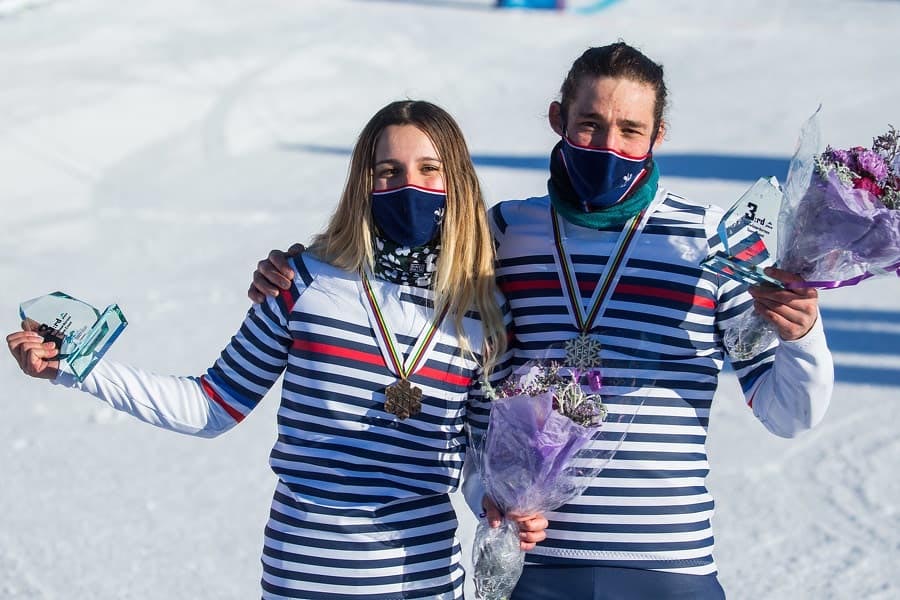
{"x":750,"y":223}
{"x":81,"y":332}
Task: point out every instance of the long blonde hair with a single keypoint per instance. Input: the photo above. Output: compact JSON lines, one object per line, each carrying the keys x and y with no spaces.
{"x":464,"y":278}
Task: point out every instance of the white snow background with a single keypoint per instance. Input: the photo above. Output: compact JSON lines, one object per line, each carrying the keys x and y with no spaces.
{"x":153,"y":152}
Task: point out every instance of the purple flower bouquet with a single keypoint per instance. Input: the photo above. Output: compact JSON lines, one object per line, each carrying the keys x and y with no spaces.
{"x":839,"y":223}
{"x":549,"y":434}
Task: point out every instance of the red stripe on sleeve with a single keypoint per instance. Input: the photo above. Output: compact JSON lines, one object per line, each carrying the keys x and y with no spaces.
{"x":214,"y":395}
{"x":288,"y":300}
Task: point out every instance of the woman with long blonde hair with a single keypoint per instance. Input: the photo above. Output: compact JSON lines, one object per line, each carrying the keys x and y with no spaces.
{"x":389,"y":322}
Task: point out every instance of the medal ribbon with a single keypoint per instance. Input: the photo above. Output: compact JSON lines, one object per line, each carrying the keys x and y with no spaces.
{"x":585,"y":319}
{"x":386,"y":340}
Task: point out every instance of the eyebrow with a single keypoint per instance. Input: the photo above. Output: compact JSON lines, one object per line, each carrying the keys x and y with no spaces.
{"x":620,"y":122}
{"x":631,"y":123}
{"x":394,"y":161}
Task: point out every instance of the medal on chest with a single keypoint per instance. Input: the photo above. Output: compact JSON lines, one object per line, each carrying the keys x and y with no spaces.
{"x":402,"y":398}
{"x":583,"y":351}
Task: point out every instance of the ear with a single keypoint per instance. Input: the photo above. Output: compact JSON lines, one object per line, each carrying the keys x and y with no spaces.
{"x":554,"y":115}
{"x":660,"y":135}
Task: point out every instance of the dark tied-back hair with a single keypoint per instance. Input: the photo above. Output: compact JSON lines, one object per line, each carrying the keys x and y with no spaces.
{"x":616,"y":60}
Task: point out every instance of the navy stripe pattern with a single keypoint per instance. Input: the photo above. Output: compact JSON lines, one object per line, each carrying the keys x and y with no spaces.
{"x":361,"y":508}
{"x":662,"y":340}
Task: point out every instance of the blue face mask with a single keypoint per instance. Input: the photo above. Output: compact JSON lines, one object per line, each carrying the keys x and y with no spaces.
{"x":601,"y":177}
{"x":409,"y":216}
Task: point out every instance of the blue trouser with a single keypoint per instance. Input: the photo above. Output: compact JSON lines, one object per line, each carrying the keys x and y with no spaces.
{"x":540,"y":582}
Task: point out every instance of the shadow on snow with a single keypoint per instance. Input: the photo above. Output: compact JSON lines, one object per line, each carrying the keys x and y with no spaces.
{"x":864,"y":332}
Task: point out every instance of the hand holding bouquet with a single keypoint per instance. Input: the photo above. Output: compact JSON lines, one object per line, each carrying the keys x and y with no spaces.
{"x":839,"y":223}
{"x":547,"y":437}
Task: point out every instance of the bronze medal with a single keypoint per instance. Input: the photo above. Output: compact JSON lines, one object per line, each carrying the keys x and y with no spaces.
{"x":403,"y":399}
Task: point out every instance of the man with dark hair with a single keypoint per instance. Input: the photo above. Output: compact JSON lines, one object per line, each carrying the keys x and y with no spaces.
{"x":608,"y":259}
{"x":609,"y":256}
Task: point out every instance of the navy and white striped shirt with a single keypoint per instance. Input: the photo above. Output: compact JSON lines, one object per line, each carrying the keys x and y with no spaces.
{"x":361,"y":509}
{"x":661,"y":336}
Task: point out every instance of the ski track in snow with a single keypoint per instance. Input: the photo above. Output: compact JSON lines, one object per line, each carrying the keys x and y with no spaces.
{"x":833,"y":527}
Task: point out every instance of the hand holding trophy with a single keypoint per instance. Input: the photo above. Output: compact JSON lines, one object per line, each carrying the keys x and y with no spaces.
{"x":63,"y":333}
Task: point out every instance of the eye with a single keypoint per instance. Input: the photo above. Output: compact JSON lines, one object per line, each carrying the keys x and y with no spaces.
{"x":430,"y":168}
{"x":633,"y":131}
{"x":386,"y":172}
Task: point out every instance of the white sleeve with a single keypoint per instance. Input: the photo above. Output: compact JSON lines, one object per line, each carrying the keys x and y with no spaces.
{"x":175,"y":403}
{"x":794,"y":394}
{"x":472,"y":487}
{"x":478,"y":417}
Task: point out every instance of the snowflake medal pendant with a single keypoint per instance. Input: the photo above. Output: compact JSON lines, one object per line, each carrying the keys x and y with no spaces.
{"x":583,"y":352}
{"x":402,"y":399}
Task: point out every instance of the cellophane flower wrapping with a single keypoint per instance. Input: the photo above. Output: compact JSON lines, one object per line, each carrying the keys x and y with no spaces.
{"x":839,"y":222}
{"x":533,"y":458}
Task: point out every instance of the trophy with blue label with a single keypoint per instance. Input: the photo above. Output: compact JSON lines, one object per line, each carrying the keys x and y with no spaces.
{"x":747,"y":231}
{"x":81,"y":333}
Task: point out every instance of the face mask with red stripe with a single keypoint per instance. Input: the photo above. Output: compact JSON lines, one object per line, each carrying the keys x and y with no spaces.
{"x":601,"y":177}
